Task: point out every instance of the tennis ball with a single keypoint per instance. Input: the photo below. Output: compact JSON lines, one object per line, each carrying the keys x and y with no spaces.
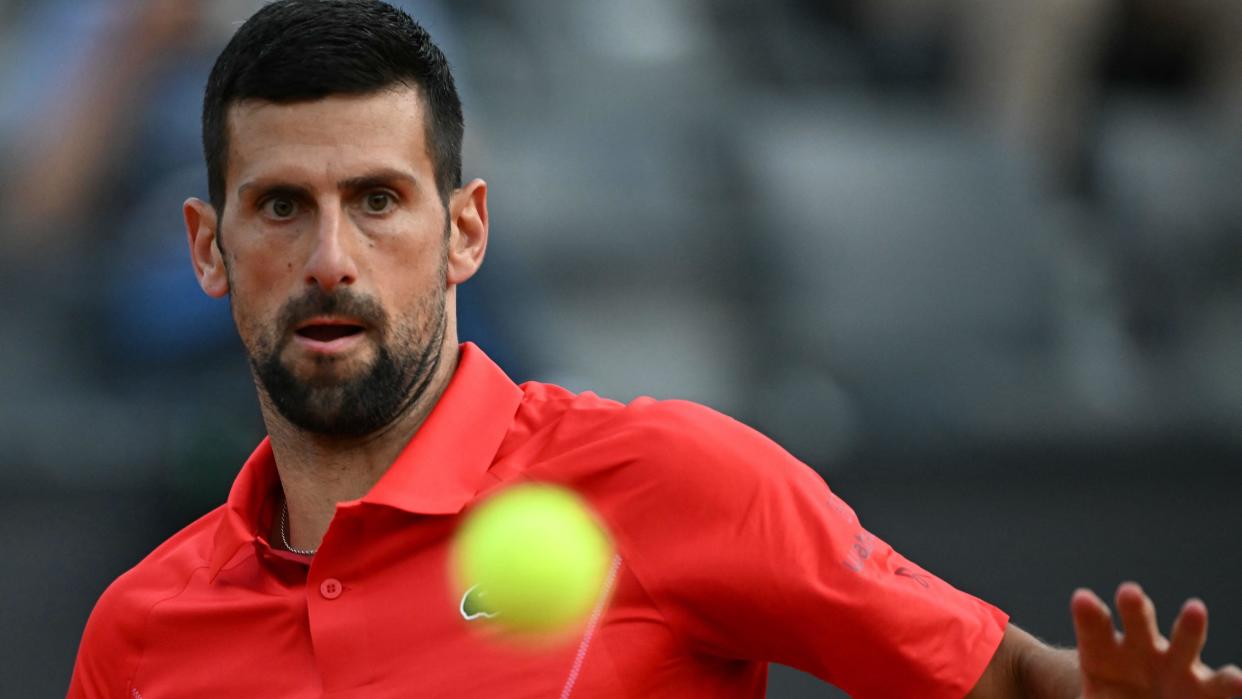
{"x":532,"y":559}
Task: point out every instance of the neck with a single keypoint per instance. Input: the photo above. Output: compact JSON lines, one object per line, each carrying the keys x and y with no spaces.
{"x":317,"y":471}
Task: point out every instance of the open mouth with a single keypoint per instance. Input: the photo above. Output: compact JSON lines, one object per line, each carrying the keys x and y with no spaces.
{"x":327,"y":332}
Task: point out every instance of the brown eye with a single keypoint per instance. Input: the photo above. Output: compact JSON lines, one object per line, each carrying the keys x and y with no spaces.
{"x":280,"y":207}
{"x":377,"y":202}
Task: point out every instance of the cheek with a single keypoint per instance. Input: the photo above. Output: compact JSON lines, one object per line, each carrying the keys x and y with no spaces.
{"x":408,"y":267}
{"x":259,"y":275}
{"x":256,"y":302}
{"x":250,"y":324}
{"x":258,"y":257}
{"x":416,"y":297}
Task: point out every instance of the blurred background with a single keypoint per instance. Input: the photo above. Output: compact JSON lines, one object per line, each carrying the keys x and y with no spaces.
{"x":976,"y":261}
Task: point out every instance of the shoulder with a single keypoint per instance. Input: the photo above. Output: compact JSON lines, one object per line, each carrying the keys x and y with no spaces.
{"x":707,"y":465}
{"x":588,"y":415}
{"x":682,"y":447}
{"x":172,"y":562}
{"x":114,"y":632}
{"x":163,"y":572}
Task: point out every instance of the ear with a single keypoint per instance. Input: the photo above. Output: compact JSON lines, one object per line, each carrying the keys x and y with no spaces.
{"x":201,"y":227}
{"x":468,"y":231}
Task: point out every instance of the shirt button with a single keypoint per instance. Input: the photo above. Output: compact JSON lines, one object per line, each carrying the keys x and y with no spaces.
{"x":330,"y":588}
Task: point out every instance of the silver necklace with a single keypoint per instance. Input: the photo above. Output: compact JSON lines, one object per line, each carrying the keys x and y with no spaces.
{"x":284,"y":531}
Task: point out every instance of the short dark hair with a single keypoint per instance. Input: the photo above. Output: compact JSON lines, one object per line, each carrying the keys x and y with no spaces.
{"x":301,"y":50}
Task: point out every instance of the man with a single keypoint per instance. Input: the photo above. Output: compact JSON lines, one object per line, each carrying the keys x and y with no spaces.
{"x":339,"y":228}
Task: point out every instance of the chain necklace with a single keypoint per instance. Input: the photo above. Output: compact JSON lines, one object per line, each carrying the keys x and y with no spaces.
{"x":284,"y":531}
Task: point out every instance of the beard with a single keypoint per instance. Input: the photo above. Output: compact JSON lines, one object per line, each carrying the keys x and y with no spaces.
{"x":407,"y":356}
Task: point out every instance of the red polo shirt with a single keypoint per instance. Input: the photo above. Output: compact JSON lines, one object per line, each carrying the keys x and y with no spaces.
{"x":731,"y":554}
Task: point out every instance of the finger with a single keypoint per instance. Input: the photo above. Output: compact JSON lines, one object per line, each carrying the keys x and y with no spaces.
{"x":1225,"y":682}
{"x":1189,"y":634}
{"x":1093,"y":623}
{"x":1138,"y":618}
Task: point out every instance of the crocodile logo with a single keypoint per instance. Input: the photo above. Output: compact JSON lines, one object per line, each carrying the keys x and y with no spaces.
{"x":474,"y":606}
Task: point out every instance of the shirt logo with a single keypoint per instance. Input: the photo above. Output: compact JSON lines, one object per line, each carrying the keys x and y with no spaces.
{"x":859,"y":551}
{"x":914,"y":575}
{"x":473,"y":606}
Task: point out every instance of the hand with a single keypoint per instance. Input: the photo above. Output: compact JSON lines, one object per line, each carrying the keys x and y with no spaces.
{"x":1139,"y":662}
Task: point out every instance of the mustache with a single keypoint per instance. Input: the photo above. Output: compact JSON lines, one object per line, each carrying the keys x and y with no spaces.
{"x":317,"y":302}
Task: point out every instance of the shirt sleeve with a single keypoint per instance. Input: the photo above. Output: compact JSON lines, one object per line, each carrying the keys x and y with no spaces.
{"x":748,"y":554}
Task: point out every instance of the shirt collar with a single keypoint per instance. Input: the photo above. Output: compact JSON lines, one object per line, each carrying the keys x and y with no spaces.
{"x":441,"y":468}
{"x":438,"y":472}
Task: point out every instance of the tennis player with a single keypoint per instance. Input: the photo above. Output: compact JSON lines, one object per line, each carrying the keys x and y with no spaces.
{"x":339,"y":228}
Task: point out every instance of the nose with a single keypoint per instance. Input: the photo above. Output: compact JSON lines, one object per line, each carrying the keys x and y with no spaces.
{"x":331,"y":263}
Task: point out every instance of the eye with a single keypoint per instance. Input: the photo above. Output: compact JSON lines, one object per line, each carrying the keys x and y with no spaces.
{"x":280,"y":207}
{"x":378,"y":202}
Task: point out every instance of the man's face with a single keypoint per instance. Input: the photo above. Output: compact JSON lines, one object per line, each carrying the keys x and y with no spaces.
{"x":334,"y":241}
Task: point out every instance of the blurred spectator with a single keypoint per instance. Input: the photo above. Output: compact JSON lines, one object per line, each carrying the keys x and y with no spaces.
{"x":90,"y":111}
{"x":106,"y":98}
{"x":1034,"y":71}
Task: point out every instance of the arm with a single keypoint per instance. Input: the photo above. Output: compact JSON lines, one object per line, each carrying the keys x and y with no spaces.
{"x":1138,"y":663}
{"x":1024,"y":667}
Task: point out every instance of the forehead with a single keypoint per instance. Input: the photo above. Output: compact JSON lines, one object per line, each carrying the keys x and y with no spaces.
{"x":333,"y":137}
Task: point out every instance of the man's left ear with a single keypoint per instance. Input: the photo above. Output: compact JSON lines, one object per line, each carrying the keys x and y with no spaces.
{"x":468,"y":231}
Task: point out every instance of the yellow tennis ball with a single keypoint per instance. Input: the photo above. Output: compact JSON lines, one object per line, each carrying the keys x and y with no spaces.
{"x":531,"y":559}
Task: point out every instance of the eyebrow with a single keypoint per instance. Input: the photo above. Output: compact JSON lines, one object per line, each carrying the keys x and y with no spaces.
{"x":370,"y":180}
{"x":377,"y":178}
